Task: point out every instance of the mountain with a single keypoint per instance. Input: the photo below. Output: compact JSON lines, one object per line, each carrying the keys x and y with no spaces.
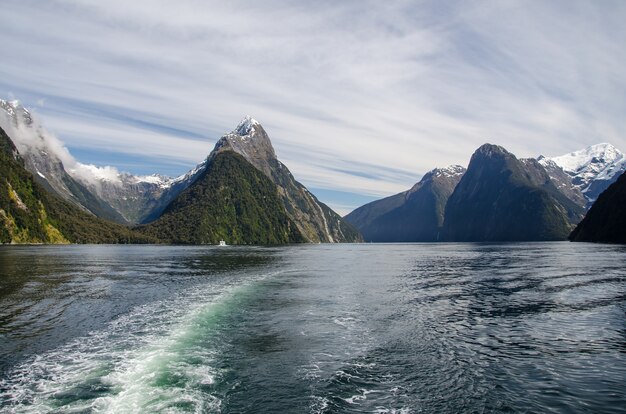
{"x":104,"y":192}
{"x":567,"y":196}
{"x":605,"y":222}
{"x":500,"y":198}
{"x":590,"y":170}
{"x":416,"y":215}
{"x":232,"y":201}
{"x":141,"y":199}
{"x":563,"y":182}
{"x":45,"y":164}
{"x":314,"y":220}
{"x":30,"y":214}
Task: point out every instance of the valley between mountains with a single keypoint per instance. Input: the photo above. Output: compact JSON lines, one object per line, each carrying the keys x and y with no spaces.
{"x":242,"y":193}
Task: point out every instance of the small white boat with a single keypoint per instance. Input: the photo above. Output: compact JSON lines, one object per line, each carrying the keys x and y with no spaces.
{"x":222,"y":243}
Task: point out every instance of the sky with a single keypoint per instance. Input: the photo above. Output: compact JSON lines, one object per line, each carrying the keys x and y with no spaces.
{"x":360,"y":98}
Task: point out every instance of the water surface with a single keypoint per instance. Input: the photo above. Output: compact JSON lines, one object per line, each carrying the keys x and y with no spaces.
{"x":429,"y":328}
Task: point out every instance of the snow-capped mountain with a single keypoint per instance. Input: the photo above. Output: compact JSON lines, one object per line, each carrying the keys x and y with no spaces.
{"x":141,"y":199}
{"x":591,"y":170}
{"x":103,"y":191}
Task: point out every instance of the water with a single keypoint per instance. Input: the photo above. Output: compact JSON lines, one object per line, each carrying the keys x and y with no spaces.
{"x":417,"y":328}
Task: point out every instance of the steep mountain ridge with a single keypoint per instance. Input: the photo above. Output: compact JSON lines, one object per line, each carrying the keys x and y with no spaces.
{"x":31,"y":214}
{"x":46,"y":166}
{"x":104,"y":192}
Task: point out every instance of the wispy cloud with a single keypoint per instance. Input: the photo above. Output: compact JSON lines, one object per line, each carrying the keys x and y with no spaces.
{"x":357,"y":96}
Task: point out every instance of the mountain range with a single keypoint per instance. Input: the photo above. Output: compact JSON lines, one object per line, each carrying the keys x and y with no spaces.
{"x":153,"y":204}
{"x":242,"y":193}
{"x":498,"y":198}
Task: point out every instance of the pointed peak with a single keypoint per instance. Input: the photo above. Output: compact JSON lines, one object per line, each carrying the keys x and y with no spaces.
{"x":491,"y":149}
{"x":13,"y":103}
{"x":602,"y":146}
{"x":450,"y":170}
{"x":16,"y":111}
{"x":246,"y":126}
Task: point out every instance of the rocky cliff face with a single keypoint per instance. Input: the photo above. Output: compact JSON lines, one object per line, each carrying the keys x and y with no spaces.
{"x":416,"y":215}
{"x":605,"y":222}
{"x":315,"y":221}
{"x":499,"y":199}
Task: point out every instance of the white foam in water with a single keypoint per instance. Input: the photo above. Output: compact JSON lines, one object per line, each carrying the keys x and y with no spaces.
{"x":127,"y":360}
{"x":403,"y":410}
{"x":358,"y":397}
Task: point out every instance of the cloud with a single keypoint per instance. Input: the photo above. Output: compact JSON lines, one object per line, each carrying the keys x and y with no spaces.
{"x":34,"y":138}
{"x":358,"y":96}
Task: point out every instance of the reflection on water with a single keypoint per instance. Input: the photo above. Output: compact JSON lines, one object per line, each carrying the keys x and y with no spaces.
{"x":531,"y":327}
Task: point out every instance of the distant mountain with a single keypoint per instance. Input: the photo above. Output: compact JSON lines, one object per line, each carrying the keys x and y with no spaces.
{"x":141,"y":199}
{"x":314,"y":220}
{"x":605,"y":222}
{"x":416,"y":215}
{"x":591,"y":170}
{"x":232,"y":201}
{"x":501,"y":198}
{"x":31,"y":214}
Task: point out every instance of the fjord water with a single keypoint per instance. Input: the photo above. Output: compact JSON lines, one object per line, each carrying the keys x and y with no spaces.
{"x":527,"y":327}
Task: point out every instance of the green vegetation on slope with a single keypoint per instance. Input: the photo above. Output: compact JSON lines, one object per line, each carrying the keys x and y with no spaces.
{"x":29,"y":214}
{"x":231,"y":201}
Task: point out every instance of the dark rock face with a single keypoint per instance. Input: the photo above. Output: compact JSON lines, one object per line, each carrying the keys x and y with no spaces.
{"x":231,"y":201}
{"x":416,"y":215}
{"x":605,"y":222}
{"x":315,"y":221}
{"x":500,"y":199}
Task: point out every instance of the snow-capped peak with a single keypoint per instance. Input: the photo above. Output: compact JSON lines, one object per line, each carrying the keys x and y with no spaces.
{"x":593,"y":157}
{"x":246,"y":126}
{"x":157,"y":179}
{"x":591,"y":169}
{"x":449,"y":171}
{"x":16,"y":112}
